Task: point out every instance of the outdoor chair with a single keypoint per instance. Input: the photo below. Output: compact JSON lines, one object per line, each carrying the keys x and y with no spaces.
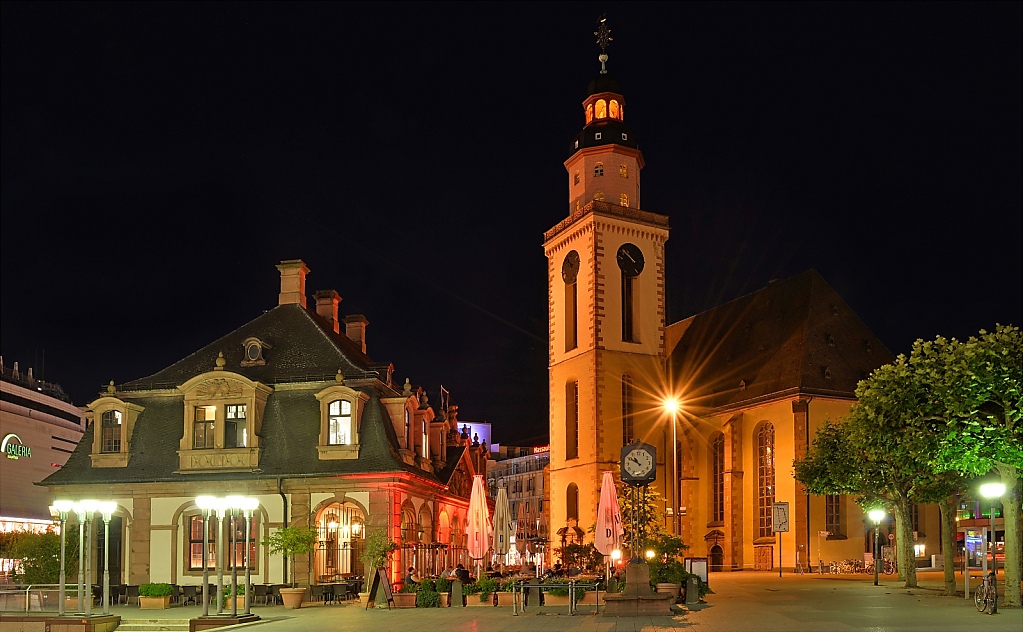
{"x":131,"y":591}
{"x":259,"y":592}
{"x":275,"y":594}
{"x":316,"y":592}
{"x":190,"y":593}
{"x":117,"y":593}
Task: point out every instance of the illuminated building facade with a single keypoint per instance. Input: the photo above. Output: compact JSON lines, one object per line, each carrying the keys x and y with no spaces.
{"x":755,"y":377}
{"x":290,"y":409}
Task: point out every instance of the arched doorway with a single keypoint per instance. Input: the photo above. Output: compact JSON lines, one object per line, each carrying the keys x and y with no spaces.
{"x":717,"y":558}
{"x":339,"y":546}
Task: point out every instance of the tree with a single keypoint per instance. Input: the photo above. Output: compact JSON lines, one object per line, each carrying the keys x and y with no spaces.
{"x":38,"y":556}
{"x":980,"y":421}
{"x":291,"y":541}
{"x":882,"y":453}
{"x":645,"y":510}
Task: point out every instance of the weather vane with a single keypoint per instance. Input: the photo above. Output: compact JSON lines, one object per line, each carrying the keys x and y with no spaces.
{"x":604,"y":38}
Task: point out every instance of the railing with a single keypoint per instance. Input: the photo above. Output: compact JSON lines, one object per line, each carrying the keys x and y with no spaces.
{"x":34,"y":597}
{"x":518,"y":595}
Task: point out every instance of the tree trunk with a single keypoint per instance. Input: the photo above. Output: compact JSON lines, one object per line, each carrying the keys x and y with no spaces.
{"x":948,"y":508}
{"x":1013,"y":550}
{"x":904,"y":541}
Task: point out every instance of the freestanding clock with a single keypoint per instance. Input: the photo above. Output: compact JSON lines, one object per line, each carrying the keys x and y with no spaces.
{"x":639,"y":464}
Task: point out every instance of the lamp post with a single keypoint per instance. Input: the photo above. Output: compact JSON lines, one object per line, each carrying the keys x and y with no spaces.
{"x":79,"y":509}
{"x":876,"y":515}
{"x":671,"y":405}
{"x":88,"y":507}
{"x":248,"y":505}
{"x":62,"y":508}
{"x":206,"y":504}
{"x":234,"y":503}
{"x":221,"y":505}
{"x":106,"y":509}
{"x":993,"y":491}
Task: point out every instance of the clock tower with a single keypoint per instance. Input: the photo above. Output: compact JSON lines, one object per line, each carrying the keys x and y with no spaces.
{"x":605,"y":288}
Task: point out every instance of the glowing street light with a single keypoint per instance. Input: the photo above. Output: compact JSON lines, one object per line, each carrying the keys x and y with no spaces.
{"x":671,"y":406}
{"x":206,"y":504}
{"x":876,"y":515}
{"x":993,"y":491}
{"x":106,"y":509}
{"x":62,"y":508}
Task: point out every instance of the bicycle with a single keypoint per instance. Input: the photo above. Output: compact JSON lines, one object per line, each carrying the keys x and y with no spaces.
{"x":986,"y":597}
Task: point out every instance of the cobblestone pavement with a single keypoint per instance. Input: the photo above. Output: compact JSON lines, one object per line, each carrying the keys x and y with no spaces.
{"x":745,"y":601}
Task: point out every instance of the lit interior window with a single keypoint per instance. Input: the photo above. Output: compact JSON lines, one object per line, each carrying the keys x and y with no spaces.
{"x":601,"y":110}
{"x":589,"y":113}
{"x":613,"y":111}
{"x":625,"y":199}
{"x":340,"y":421}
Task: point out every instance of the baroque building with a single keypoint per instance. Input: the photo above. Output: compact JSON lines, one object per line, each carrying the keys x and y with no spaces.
{"x":755,"y":377}
{"x":291,"y":410}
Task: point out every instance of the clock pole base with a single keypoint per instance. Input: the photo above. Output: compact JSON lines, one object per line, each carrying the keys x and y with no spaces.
{"x":638,"y":600}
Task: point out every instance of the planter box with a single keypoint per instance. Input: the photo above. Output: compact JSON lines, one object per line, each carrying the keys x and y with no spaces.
{"x":404,"y":599}
{"x":555,"y":600}
{"x":151,"y":603}
{"x":590,"y":598}
{"x":669,"y":588}
{"x":505,"y":598}
{"x":474,"y":600}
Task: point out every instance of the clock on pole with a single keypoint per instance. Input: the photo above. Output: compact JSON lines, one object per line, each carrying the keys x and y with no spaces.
{"x":639,"y":464}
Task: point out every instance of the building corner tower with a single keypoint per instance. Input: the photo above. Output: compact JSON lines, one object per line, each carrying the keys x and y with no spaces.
{"x":605,"y":287}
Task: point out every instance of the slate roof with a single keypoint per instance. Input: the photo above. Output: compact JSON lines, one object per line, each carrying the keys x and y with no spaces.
{"x":302,"y":348}
{"x":796,"y":336}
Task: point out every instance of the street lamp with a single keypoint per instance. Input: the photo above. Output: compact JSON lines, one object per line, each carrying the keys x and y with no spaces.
{"x":106,"y":509}
{"x":221,"y":505}
{"x":993,"y":491}
{"x":206,"y":504}
{"x":248,"y":505}
{"x":671,"y":405}
{"x":85,"y":510}
{"x":62,"y":508}
{"x":876,"y":515}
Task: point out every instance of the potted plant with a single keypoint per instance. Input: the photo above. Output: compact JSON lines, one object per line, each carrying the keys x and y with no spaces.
{"x":378,"y":548}
{"x":292,"y":541}
{"x":444,"y":590}
{"x":239,"y":598}
{"x":485,"y":587}
{"x":559,"y":596}
{"x":427,"y":596}
{"x":155,"y":596}
{"x":505,"y":592}
{"x":406,"y":597}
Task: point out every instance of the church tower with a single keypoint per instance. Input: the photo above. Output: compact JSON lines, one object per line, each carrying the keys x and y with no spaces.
{"x":605,"y":287}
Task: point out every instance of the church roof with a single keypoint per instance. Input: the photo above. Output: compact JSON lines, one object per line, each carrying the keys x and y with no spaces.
{"x":300,"y":347}
{"x":794,"y":337}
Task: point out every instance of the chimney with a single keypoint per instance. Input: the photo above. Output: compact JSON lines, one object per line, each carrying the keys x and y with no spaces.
{"x":355,"y":329}
{"x":326,"y":307}
{"x":293,"y":273}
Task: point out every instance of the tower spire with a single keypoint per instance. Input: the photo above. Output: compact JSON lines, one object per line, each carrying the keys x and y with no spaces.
{"x":604,"y":38}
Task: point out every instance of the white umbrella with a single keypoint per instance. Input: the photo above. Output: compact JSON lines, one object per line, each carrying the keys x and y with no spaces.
{"x":521,"y":527}
{"x":502,"y":525}
{"x":608,"y":535}
{"x":478,"y":521}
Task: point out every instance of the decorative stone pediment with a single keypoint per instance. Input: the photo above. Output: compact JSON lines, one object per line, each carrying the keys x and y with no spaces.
{"x":218,"y":388}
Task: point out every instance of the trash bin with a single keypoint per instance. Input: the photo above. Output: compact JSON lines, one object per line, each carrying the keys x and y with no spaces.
{"x":692,"y":591}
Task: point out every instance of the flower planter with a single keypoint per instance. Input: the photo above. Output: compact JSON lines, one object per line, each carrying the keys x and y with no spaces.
{"x":404,"y":600}
{"x":152,"y":603}
{"x":505,"y":598}
{"x":364,"y":599}
{"x":590,"y":598}
{"x":293,"y":597}
{"x":555,"y":600}
{"x":669,"y":588}
{"x":445,"y":600}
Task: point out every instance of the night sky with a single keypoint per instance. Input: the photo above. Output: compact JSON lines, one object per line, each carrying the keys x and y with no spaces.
{"x":158,"y":160}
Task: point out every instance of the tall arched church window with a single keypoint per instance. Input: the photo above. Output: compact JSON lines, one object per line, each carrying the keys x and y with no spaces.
{"x":717,"y":478}
{"x":623,"y":170}
{"x":765,"y":480}
{"x":601,"y":110}
{"x":570,"y":275}
{"x":628,"y":410}
{"x":613,"y":111}
{"x":589,"y":113}
{"x":598,"y":170}
{"x":630,"y":262}
{"x":572,"y":502}
{"x":624,"y":199}
{"x":112,"y":431}
{"x":572,"y":420}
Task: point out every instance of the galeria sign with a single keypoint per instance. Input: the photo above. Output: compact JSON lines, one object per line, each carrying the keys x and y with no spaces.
{"x":15,"y":450}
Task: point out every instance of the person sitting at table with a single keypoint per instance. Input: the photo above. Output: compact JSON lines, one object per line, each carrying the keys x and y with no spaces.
{"x":462,"y":574}
{"x":445,"y":573}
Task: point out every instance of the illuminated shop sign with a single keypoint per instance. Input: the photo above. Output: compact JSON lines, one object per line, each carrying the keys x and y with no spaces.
{"x":14,"y":448}
{"x":543,"y":449}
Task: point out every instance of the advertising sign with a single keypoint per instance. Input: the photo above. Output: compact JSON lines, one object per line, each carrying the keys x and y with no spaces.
{"x":14,"y":448}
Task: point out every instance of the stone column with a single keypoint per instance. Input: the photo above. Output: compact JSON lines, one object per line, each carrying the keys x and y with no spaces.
{"x":300,"y":518}
{"x":734,"y":515}
{"x":139,"y":541}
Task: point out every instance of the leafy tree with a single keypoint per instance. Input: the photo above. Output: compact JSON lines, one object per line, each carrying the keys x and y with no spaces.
{"x":980,"y":421}
{"x":882,"y":452}
{"x":645,"y":511}
{"x":38,"y":556}
{"x":291,"y":541}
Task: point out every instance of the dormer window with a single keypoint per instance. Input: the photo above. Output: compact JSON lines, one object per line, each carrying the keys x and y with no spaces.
{"x":339,"y":422}
{"x":235,"y":431}
{"x":223,"y":417}
{"x":111,"y":429}
{"x":254,"y":348}
{"x":204,"y":428}
{"x":341,"y":411}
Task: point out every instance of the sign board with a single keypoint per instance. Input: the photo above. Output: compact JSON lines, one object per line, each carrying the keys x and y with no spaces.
{"x":14,"y":448}
{"x":780,"y":517}
{"x":380,"y":579}
{"x":697,"y":566}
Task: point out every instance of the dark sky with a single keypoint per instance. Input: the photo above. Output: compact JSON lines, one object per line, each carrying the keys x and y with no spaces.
{"x":158,"y":160}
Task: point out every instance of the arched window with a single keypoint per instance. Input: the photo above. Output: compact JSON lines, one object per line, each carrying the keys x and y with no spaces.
{"x":717,"y":478}
{"x":589,"y":113}
{"x":612,"y":109}
{"x":111,"y":431}
{"x":624,"y":199}
{"x":570,"y":275}
{"x":599,"y":196}
{"x":765,"y":480}
{"x":628,"y":410}
{"x":339,"y":541}
{"x":601,"y":110}
{"x":339,"y":422}
{"x":598,"y":170}
{"x":408,"y":429}
{"x":623,"y":170}
{"x":572,"y":502}
{"x":425,"y":437}
{"x":572,"y":420}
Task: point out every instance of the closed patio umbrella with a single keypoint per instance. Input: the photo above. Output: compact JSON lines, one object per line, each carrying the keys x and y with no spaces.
{"x":478,"y":529}
{"x":521,"y":527}
{"x":502,"y":525}
{"x":608,"y":534}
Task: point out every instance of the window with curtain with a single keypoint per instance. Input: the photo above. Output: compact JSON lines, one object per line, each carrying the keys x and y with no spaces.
{"x":765,"y":480}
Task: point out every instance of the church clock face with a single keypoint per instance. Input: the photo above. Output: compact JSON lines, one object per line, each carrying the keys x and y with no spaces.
{"x":630,"y":259}
{"x":570,"y":269}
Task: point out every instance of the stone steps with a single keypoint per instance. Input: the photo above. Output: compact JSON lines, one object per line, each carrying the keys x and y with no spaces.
{"x":153,"y":625}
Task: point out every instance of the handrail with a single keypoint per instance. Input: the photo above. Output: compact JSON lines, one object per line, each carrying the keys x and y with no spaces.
{"x":28,"y":591}
{"x":572,"y":586}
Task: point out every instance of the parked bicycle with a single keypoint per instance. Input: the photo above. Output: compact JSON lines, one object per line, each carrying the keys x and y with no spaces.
{"x":986,"y":597}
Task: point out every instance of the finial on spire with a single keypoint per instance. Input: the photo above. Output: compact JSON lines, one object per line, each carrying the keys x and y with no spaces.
{"x":604,"y":38}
